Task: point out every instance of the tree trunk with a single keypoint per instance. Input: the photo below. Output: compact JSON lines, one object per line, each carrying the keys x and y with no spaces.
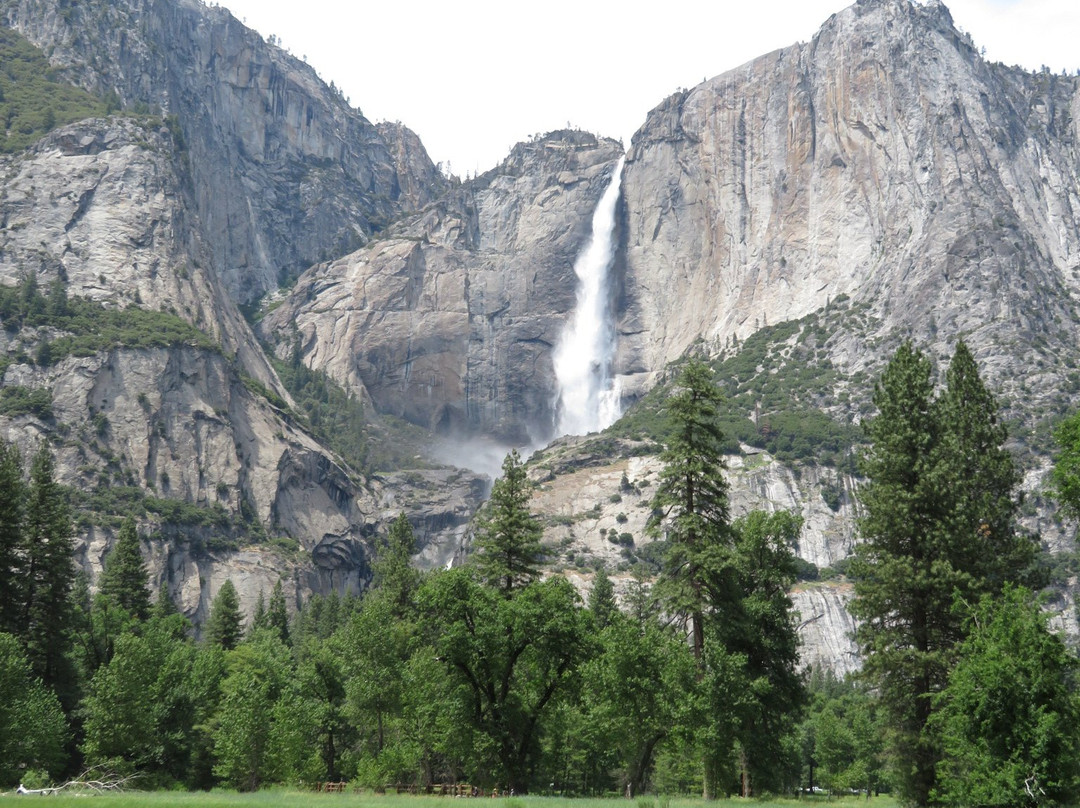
{"x":744,"y":774}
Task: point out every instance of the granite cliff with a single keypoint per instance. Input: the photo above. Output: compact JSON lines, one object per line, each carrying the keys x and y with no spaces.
{"x":282,"y":170}
{"x":826,"y":200}
{"x":884,"y":160}
{"x":228,"y":167}
{"x":449,"y":319}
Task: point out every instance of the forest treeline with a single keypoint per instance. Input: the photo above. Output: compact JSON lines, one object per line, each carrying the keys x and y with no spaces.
{"x":496,"y":675}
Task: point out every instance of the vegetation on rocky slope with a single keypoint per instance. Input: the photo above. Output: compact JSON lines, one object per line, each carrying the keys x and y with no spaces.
{"x":34,"y":99}
{"x":781,"y":394}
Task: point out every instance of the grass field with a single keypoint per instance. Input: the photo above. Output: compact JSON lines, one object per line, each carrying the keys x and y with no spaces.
{"x":283,"y":798}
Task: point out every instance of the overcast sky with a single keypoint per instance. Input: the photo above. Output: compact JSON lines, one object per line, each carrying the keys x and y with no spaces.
{"x":473,"y":77}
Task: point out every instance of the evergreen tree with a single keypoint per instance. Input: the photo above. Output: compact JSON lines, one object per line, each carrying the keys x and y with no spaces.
{"x":164,"y":606}
{"x":982,"y":479}
{"x":1008,"y":718}
{"x":259,"y":619}
{"x":691,"y":502}
{"x":394,"y":576}
{"x":937,"y":523}
{"x":225,"y":626}
{"x":277,"y":616}
{"x":12,"y":556}
{"x":508,"y":537}
{"x":761,"y":630}
{"x":124,"y":580}
{"x":602,"y":599}
{"x":50,"y":574}
{"x":640,"y":603}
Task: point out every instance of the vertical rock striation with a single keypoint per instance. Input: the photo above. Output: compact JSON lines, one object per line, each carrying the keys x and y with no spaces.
{"x":283,"y":171}
{"x":884,"y":160}
{"x":449,"y":320}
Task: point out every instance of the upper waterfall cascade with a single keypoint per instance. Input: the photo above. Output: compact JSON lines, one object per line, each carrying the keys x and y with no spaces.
{"x":589,"y":398}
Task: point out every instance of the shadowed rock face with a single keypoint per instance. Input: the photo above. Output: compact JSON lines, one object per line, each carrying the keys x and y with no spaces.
{"x":884,"y":160}
{"x":449,"y":321}
{"x":283,"y":172}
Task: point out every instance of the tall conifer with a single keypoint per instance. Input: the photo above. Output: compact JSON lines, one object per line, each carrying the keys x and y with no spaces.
{"x":394,"y":576}
{"x":224,"y":628}
{"x":691,"y":503}
{"x":50,"y":574}
{"x":937,"y":525}
{"x":277,"y":616}
{"x":124,"y":580}
{"x":508,"y":537}
{"x":12,"y":556}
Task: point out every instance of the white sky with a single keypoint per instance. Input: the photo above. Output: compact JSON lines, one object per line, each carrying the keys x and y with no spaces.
{"x":473,"y":77}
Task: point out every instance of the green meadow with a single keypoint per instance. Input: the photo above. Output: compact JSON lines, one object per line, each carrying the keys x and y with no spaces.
{"x":287,"y":798}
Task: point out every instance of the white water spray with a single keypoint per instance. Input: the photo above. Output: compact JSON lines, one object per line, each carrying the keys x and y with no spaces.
{"x":589,"y":399}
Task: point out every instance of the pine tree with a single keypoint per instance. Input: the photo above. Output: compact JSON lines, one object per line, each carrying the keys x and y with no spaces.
{"x":697,"y":581}
{"x":164,"y":606}
{"x":277,"y":616}
{"x":982,"y":479}
{"x":12,"y":556}
{"x":224,"y":628}
{"x":508,"y":537}
{"x":259,"y":619}
{"x":602,"y":600}
{"x":50,"y":574}
{"x":394,"y":576}
{"x":937,"y":526}
{"x":124,"y":580}
{"x":691,"y":502}
{"x":761,"y":630}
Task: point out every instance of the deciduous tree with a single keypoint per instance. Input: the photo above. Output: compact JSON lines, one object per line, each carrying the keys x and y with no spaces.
{"x":510,"y":659}
{"x":33,"y":729}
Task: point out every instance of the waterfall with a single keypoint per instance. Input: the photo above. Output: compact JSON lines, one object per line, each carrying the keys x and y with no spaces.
{"x":589,"y":399}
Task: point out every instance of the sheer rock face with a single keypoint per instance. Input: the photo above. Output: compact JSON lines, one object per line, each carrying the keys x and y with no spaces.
{"x":450,"y":320}
{"x":181,"y":424}
{"x":283,"y":171}
{"x":884,"y":160}
{"x":258,"y":171}
{"x":102,"y":205}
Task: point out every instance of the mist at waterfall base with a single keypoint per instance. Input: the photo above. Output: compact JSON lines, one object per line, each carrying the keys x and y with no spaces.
{"x":477,"y":453}
{"x":589,"y":399}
